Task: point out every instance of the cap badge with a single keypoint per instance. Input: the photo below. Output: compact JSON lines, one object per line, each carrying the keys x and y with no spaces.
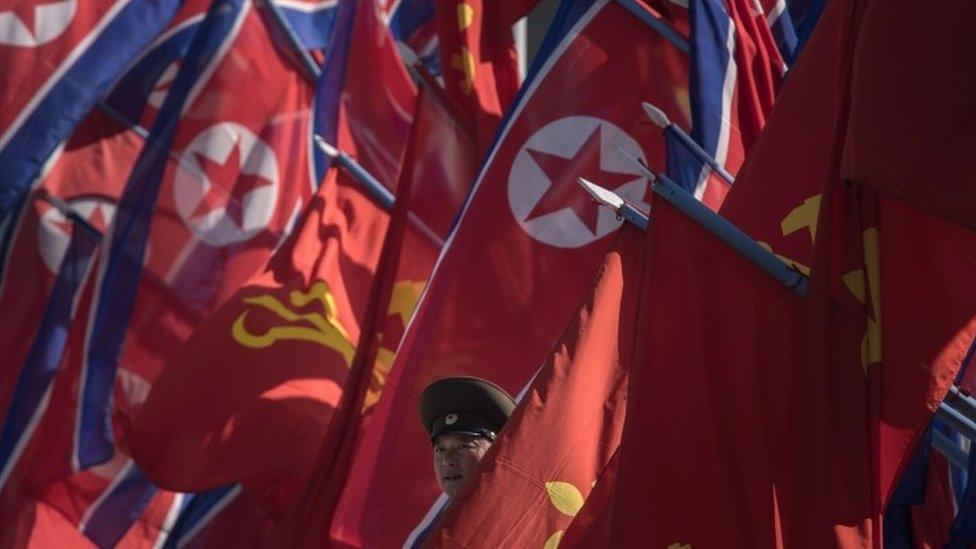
{"x":450,"y":419}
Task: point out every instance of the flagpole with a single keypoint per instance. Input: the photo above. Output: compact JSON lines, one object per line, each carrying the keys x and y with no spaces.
{"x":624,"y":209}
{"x":662,"y":121}
{"x":425,"y":79}
{"x":308,"y":65}
{"x":957,"y":410}
{"x":730,"y":234}
{"x":376,"y":189}
{"x":668,"y":32}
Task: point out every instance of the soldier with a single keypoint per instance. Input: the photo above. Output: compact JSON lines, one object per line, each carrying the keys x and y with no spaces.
{"x":462,"y":416}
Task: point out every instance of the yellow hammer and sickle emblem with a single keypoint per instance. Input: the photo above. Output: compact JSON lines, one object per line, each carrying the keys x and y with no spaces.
{"x":865,"y":285}
{"x":325,"y":330}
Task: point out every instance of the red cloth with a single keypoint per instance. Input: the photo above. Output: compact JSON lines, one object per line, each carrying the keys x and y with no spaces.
{"x":285,"y":342}
{"x":708,"y":421}
{"x":591,"y":526}
{"x":537,"y":475}
{"x":517,"y":264}
{"x":832,"y":408}
{"x":210,"y":233}
{"x":777,"y":193}
{"x":931,"y":521}
{"x":374,"y":104}
{"x":439,"y":157}
{"x":478,"y":58}
{"x":912,"y":123}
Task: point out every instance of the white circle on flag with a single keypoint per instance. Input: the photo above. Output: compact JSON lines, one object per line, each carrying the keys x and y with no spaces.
{"x":31,"y":24}
{"x":240,"y":203}
{"x":54,"y":232}
{"x":161,"y":87}
{"x":544,"y":195}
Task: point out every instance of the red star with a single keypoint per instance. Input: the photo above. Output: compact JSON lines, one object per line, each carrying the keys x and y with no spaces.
{"x":563,"y":192}
{"x":25,"y":10}
{"x":223,"y":177}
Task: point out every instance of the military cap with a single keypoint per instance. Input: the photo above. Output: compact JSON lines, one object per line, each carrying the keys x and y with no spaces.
{"x":464,"y":405}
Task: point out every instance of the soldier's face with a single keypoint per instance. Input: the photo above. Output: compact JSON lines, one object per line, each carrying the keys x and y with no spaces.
{"x":455,"y":458}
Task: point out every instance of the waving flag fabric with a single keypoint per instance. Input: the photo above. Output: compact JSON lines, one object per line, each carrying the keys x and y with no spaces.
{"x":109,"y":506}
{"x":539,"y":472}
{"x":367,"y":112}
{"x":300,"y":314}
{"x":708,"y":411}
{"x":88,"y":177}
{"x":84,"y":181}
{"x":527,"y":239}
{"x":211,"y":228}
{"x":224,"y":197}
{"x":887,"y":321}
{"x":412,"y":23}
{"x":901,"y":135}
{"x":308,"y":301}
{"x":735,"y":71}
{"x":478,"y":58}
{"x":437,"y":165}
{"x":58,"y":58}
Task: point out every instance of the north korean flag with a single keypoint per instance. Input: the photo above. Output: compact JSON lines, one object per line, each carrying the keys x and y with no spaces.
{"x":735,"y":72}
{"x":210,"y":196}
{"x":526,"y":246}
{"x":58,"y":58}
{"x":412,"y":23}
{"x":86,"y":177}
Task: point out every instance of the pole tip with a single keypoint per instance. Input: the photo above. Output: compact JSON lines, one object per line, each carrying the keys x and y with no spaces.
{"x":328,"y":149}
{"x":656,"y":115}
{"x":603,"y":196}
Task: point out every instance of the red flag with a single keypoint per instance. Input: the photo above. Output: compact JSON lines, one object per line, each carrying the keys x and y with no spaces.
{"x":478,"y":58}
{"x":437,"y":164}
{"x":537,"y":475}
{"x":87,"y":173}
{"x":374,"y":94}
{"x":886,"y":324}
{"x":301,"y":315}
{"x":919,"y":255}
{"x":795,"y":148}
{"x":591,"y":525}
{"x":707,"y":420}
{"x":903,"y":135}
{"x":226,"y":200}
{"x":523,"y":253}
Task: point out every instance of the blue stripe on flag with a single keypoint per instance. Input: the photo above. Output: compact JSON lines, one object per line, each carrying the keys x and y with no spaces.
{"x":909,"y":492}
{"x":121,"y":505}
{"x":408,"y":16}
{"x":804,"y":14}
{"x":784,"y":34}
{"x":314,"y":27}
{"x":711,"y":60}
{"x":44,"y":357}
{"x":128,"y":96}
{"x":75,"y":93}
{"x":116,"y":291}
{"x":202,"y":508}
